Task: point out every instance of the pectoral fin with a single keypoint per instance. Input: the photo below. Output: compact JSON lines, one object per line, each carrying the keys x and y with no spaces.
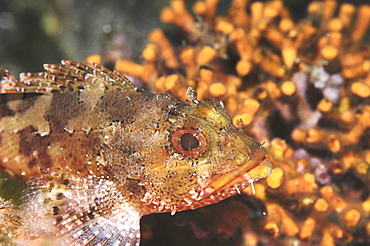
{"x":68,"y":209}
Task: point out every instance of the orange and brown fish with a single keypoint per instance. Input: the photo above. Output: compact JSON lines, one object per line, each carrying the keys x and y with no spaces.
{"x":99,"y":153}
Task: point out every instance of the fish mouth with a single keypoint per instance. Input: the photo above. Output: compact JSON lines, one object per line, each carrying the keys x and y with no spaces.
{"x":257,"y":166}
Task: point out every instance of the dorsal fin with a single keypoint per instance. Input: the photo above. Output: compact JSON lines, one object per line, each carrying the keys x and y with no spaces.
{"x":7,"y":80}
{"x":69,"y":76}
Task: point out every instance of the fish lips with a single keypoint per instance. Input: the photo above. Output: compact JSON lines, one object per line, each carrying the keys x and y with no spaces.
{"x":255,"y":167}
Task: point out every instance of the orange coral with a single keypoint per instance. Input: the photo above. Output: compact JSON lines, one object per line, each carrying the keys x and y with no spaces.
{"x":302,"y":88}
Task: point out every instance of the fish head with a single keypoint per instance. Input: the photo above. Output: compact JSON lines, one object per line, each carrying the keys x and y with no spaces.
{"x":207,"y":159}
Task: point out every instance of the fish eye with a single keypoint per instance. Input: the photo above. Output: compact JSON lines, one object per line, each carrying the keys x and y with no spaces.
{"x":189,"y":142}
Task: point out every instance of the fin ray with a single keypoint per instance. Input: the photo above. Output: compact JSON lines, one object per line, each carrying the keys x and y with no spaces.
{"x":79,"y":210}
{"x":69,"y":76}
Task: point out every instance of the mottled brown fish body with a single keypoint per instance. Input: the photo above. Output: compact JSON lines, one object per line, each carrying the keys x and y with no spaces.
{"x":66,"y":129}
{"x":98,"y":153}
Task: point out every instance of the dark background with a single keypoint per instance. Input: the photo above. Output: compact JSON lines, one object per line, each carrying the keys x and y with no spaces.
{"x":33,"y":32}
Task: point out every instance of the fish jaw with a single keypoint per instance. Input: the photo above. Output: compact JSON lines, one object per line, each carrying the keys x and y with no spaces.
{"x":255,"y":167}
{"x":206,"y":189}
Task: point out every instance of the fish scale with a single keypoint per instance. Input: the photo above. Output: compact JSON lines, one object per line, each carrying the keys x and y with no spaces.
{"x":99,"y":153}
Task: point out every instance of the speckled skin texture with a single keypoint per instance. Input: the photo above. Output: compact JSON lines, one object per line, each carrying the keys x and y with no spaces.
{"x":99,"y":153}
